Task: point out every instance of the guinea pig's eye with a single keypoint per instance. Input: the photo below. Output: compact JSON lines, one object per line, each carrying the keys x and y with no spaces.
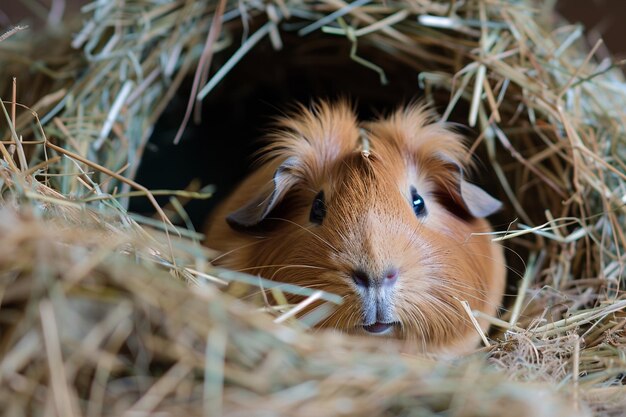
{"x":318,"y":209}
{"x":419,"y":207}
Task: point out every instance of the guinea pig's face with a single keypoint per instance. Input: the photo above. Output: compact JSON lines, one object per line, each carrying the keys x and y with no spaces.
{"x":389,"y":228}
{"x":370,"y":223}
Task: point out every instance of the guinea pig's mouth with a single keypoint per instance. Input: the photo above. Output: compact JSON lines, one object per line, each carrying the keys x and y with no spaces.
{"x":379,"y":328}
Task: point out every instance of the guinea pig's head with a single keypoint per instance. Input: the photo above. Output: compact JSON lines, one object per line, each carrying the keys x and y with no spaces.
{"x":378,"y":213}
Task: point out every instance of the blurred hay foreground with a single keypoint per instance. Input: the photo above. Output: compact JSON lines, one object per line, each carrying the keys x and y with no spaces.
{"x":104,"y":312}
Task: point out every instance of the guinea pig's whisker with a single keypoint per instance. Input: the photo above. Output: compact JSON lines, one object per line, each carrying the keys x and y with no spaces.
{"x":353,"y":318}
{"x":260,"y":291}
{"x":282,"y":268}
{"x":326,"y":320}
{"x":336,"y":316}
{"x":514,"y":252}
{"x":401,"y":320}
{"x":442,"y":284}
{"x":495,"y":260}
{"x":461,"y":294}
{"x":464,"y":296}
{"x":410,"y":319}
{"x":247,"y":245}
{"x":308,"y":231}
{"x":413,"y":237}
{"x":440,"y":305}
{"x":265,"y":290}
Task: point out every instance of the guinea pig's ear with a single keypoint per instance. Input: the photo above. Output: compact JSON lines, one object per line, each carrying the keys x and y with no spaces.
{"x":477,"y":201}
{"x":261,"y":203}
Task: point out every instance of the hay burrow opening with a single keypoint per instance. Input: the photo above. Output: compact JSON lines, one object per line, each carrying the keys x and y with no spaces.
{"x":548,"y":127}
{"x":217,"y":149}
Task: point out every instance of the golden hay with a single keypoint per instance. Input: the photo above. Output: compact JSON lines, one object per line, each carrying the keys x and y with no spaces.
{"x":89,"y":326}
{"x":79,"y":336}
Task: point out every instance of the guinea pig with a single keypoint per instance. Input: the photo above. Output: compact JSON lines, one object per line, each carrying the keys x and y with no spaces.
{"x":377,"y":212}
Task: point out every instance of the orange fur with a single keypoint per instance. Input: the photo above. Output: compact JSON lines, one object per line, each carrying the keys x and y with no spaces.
{"x":370,"y":223}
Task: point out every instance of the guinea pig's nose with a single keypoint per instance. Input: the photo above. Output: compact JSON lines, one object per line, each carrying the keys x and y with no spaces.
{"x":361,"y":278}
{"x":391,"y":276}
{"x":364,"y":280}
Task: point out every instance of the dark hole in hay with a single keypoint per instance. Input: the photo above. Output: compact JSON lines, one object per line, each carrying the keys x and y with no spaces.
{"x":236,"y":115}
{"x":239,"y":111}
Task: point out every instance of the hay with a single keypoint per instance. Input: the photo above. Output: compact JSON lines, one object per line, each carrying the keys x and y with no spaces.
{"x":79,"y":337}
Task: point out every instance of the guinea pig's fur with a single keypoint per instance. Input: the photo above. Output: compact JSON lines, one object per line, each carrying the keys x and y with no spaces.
{"x":388,"y":263}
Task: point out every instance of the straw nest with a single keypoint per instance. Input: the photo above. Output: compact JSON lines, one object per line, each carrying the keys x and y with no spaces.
{"x":105,"y":312}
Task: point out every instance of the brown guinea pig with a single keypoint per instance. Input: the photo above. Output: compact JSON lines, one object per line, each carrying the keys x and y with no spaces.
{"x":377,"y":212}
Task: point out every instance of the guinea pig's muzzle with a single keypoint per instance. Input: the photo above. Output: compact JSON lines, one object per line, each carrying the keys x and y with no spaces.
{"x":377,"y":300}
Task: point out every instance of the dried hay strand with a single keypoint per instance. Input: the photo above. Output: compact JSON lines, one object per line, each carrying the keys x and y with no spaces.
{"x":89,"y":330}
{"x":79,"y":337}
